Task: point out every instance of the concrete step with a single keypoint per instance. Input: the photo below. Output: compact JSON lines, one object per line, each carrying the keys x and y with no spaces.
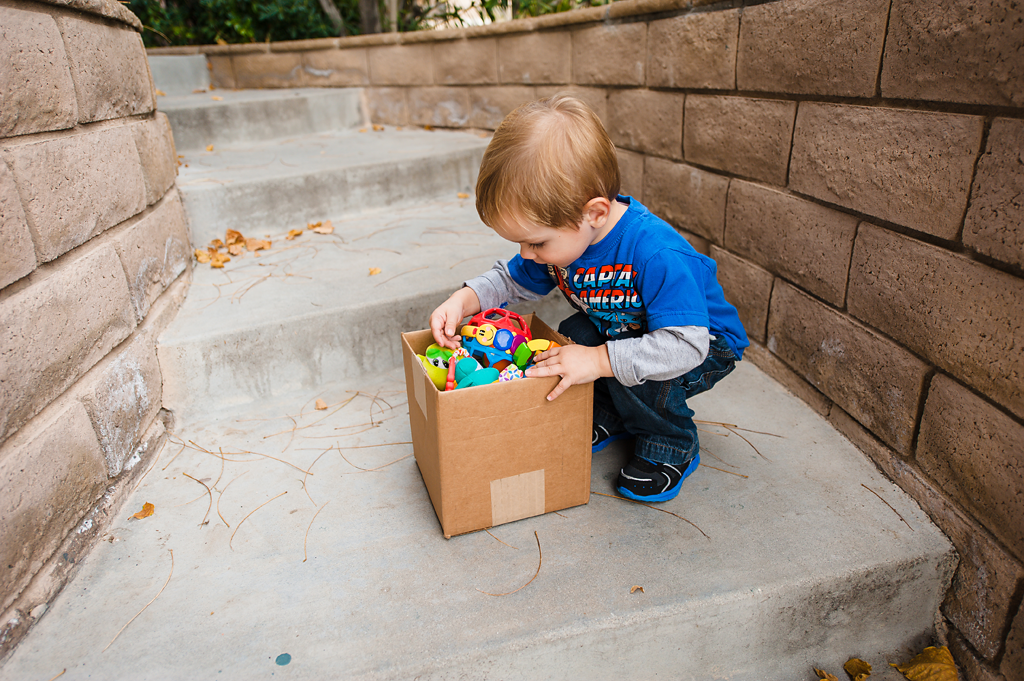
{"x":348,"y":575}
{"x":283,"y":184}
{"x":178,"y":75}
{"x":307,"y":312}
{"x":230,"y":117}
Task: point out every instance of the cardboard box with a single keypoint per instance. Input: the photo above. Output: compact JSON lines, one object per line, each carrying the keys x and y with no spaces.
{"x":501,"y":452}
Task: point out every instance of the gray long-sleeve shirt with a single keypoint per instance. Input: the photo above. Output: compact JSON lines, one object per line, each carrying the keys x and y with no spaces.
{"x":659,"y":355}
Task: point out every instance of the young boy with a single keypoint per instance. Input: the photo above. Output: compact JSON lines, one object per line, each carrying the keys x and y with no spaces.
{"x":653,"y":327}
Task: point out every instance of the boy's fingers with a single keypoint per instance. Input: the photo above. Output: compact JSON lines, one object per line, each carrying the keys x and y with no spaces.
{"x":560,"y":388}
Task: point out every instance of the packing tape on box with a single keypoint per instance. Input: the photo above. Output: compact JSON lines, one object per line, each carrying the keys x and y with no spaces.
{"x":517,"y":497}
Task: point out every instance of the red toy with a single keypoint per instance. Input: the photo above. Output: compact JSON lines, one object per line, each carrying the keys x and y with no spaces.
{"x":500,"y":318}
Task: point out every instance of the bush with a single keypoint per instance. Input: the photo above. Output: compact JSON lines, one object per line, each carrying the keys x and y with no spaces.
{"x":204,"y":22}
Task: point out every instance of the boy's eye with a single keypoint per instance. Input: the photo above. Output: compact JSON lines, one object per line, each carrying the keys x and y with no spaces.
{"x":540,"y":245}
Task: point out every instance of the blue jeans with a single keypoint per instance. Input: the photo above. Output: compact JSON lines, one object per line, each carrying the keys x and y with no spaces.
{"x":654,"y":411}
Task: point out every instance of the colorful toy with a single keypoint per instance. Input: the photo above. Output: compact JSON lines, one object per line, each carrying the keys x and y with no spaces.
{"x":437,"y":374}
{"x":510,"y":373}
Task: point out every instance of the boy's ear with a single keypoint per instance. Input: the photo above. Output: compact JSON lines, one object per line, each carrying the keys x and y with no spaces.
{"x":597,"y":210}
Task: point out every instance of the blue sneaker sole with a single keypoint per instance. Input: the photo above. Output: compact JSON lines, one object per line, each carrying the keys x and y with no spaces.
{"x":669,"y":493}
{"x":612,"y":438}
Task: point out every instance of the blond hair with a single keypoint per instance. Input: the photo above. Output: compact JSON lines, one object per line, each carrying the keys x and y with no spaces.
{"x":546,"y":160}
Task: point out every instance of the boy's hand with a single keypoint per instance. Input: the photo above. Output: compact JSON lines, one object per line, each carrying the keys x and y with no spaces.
{"x":576,"y":364}
{"x":445,"y":320}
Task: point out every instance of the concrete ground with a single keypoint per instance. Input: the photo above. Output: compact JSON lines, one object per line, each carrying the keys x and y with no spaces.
{"x":796,"y":555}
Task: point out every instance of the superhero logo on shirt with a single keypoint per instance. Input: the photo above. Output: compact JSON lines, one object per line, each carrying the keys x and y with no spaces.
{"x":606,"y":294}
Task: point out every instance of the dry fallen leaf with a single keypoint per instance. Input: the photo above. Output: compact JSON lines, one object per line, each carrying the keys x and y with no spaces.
{"x":362,"y":129}
{"x":257,"y":244}
{"x":824,"y":675}
{"x":320,"y":404}
{"x":235,"y":249}
{"x":202,"y":256}
{"x":292,"y":233}
{"x":323,"y":228}
{"x":232,"y":237}
{"x":161,"y":93}
{"x":218,"y":259}
{"x":428,"y":127}
{"x":857,"y":669}
{"x":463,"y":195}
{"x":933,"y":664}
{"x":217,"y":99}
{"x":209,"y":147}
{"x":147,"y":510}
{"x":216,"y":243}
{"x":637,"y":588}
{"x":378,"y":128}
{"x":374,"y":270}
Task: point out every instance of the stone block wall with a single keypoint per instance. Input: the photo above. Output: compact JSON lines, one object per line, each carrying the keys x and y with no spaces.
{"x":94,"y":262}
{"x":855,"y":167}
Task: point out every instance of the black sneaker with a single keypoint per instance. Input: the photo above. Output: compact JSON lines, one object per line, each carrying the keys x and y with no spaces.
{"x":602,"y":438}
{"x":645,"y":480}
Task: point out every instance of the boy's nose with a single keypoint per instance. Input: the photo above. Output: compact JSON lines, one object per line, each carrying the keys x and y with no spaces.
{"x":525,"y":251}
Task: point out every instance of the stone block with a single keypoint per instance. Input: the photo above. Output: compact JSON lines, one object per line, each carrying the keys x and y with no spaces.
{"x":222,"y":71}
{"x":631,"y":174}
{"x":155,"y":143}
{"x":647,"y":121}
{"x":401,"y":64}
{"x":695,"y":51}
{"x":52,"y":472}
{"x":959,"y":314}
{"x":17,"y":254}
{"x":873,"y":379}
{"x":609,"y":54}
{"x":443,"y":107}
{"x":995,"y":217}
{"x":748,"y":287}
{"x":56,"y":329}
{"x":121,"y":394}
{"x":108,"y":67}
{"x":831,"y":47}
{"x":958,"y":51}
{"x":154,"y":250}
{"x":336,"y":68}
{"x":535,"y":58}
{"x":595,"y":98}
{"x":1012,"y":666}
{"x":75,"y":186}
{"x":689,"y":198}
{"x":35,"y":84}
{"x":748,"y":137}
{"x":388,"y":105}
{"x":801,"y":241}
{"x":975,"y":453}
{"x":268,"y":70}
{"x":909,"y":167}
{"x":466,"y":62}
{"x":489,"y":105}
{"x":764,"y":360}
{"x":970,"y":665}
{"x":978,"y":600}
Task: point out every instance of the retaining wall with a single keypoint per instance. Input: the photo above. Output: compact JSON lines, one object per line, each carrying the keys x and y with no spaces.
{"x":856,"y":169}
{"x":94,"y":261}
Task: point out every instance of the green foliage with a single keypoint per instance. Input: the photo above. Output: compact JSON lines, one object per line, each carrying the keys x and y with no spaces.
{"x":203,"y":22}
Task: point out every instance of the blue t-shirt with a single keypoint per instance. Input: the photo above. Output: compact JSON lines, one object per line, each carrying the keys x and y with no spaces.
{"x":642,"y":276}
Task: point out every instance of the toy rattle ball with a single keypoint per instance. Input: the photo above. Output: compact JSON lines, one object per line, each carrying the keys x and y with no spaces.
{"x":510,"y":373}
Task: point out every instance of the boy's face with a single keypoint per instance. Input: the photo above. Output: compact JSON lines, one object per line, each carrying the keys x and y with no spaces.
{"x":547,"y":245}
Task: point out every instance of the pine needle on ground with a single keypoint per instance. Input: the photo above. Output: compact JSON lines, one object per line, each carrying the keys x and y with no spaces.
{"x":143,"y":607}
{"x":540,"y":561}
